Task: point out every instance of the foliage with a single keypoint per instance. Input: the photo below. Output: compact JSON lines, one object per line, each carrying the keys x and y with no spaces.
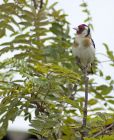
{"x":85,"y":10}
{"x":38,"y":75}
{"x":101,"y":138}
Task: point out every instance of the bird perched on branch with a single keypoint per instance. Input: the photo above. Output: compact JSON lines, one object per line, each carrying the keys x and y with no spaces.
{"x":83,"y":47}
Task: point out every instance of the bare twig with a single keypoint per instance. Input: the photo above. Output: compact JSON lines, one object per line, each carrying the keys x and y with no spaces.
{"x":86,"y":79}
{"x":41,"y":3}
{"x":35,"y":4}
{"x":84,"y":121}
{"x":105,"y":129}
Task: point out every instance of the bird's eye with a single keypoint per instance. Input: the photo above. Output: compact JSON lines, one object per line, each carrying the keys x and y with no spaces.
{"x":81,"y":27}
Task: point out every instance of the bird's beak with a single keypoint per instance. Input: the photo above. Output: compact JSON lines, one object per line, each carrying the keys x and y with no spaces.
{"x":75,"y":29}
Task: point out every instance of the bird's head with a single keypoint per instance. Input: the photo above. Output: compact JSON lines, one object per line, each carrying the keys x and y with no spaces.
{"x":82,"y":30}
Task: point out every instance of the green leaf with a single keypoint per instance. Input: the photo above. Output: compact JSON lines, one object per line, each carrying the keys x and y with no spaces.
{"x":104,"y":89}
{"x":91,"y":26}
{"x":3,"y":24}
{"x":9,"y":27}
{"x":88,"y":19}
{"x":83,"y":4}
{"x":71,"y":102}
{"x":110,"y":101}
{"x":86,"y":11}
{"x":101,"y":73}
{"x":96,"y":109}
{"x":108,"y":77}
{"x":109,"y":53}
{"x":92,"y":101}
{"x":53,"y":5}
{"x":2,"y":33}
{"x":27,"y":24}
{"x":5,"y":1}
{"x":109,"y":96}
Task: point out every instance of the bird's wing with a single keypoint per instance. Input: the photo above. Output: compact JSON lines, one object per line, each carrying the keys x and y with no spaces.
{"x":93,"y":42}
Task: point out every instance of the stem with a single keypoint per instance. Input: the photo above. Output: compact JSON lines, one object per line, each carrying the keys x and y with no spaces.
{"x":105,"y":129}
{"x":35,"y":4}
{"x":41,"y":3}
{"x":84,"y":121}
{"x":54,"y":136}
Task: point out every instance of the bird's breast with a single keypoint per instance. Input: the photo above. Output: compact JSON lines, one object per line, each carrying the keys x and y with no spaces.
{"x":84,"y":50}
{"x":86,"y":42}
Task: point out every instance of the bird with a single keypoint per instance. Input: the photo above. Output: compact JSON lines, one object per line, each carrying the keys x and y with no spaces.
{"x":83,"y":48}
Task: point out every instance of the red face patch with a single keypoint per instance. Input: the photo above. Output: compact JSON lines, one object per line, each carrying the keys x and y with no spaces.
{"x":81,"y":28}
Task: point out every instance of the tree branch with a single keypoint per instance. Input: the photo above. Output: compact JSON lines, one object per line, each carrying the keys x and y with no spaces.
{"x":105,"y":129}
{"x":41,"y":3}
{"x":35,"y":4}
{"x":84,"y":121}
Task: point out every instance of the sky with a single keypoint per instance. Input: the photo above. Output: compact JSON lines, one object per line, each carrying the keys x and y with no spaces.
{"x":103,"y":22}
{"x":102,"y":12}
{"x":102,"y":15}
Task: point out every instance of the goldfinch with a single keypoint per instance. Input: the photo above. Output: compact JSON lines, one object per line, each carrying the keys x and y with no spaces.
{"x":83,"y":48}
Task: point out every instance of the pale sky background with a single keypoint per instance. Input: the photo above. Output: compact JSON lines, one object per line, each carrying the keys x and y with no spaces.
{"x":102,"y":12}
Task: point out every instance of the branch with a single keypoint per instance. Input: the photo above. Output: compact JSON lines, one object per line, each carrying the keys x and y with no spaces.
{"x":35,"y":4}
{"x":84,"y":121}
{"x":40,"y":108}
{"x":105,"y":129}
{"x":86,"y":79}
{"x":41,"y":3}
